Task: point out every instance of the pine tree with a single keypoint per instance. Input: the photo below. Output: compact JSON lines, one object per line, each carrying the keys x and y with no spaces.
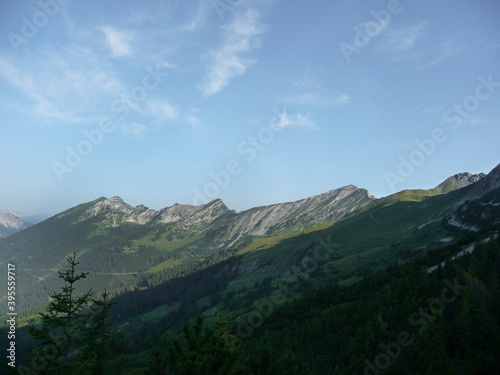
{"x":97,"y":334}
{"x":60,"y":324}
{"x":204,"y":352}
{"x":74,"y":335}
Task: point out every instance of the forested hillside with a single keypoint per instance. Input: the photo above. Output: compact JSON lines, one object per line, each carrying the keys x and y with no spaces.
{"x":332,"y":298}
{"x":404,"y":317}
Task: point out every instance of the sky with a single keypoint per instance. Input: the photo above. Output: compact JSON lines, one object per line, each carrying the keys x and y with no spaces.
{"x":254,"y":102}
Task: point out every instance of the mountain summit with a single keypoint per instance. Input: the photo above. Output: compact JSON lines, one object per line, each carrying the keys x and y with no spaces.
{"x":257,"y":222}
{"x":10,"y":223}
{"x":458,"y":181}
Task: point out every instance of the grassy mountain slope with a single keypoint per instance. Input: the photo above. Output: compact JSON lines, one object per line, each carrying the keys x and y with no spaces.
{"x":125,"y":247}
{"x":400,"y":227}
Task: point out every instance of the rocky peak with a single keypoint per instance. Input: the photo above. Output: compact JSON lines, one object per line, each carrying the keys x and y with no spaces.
{"x":177,"y":212}
{"x":193,"y":214}
{"x":114,"y":204}
{"x":116,"y":210}
{"x":458,"y":181}
{"x":301,"y":214}
{"x":492,"y":180}
{"x":259,"y":221}
{"x":10,"y":223}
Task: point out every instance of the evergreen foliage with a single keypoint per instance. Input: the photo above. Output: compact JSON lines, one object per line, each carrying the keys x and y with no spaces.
{"x":400,"y":320}
{"x":74,"y":334}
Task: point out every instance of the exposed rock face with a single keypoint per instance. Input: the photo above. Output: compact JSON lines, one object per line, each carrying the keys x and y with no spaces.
{"x":295,"y":216}
{"x":10,"y":224}
{"x":479,"y":202}
{"x":458,"y":181}
{"x":492,"y":180}
{"x":116,"y":211}
{"x":256,"y":222}
{"x":192,"y":215}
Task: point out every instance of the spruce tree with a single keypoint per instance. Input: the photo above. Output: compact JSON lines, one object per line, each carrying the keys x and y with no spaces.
{"x":60,"y":324}
{"x":74,"y":334}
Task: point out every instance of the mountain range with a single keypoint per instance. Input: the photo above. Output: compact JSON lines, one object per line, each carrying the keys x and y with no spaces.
{"x":164,"y":267}
{"x":320,"y":208}
{"x":126,"y":247}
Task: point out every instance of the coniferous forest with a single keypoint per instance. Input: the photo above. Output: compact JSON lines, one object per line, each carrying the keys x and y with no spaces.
{"x":403,"y":319}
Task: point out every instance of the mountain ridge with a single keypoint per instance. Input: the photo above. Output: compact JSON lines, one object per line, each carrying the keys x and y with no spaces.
{"x":458,"y":181}
{"x":11,"y":223}
{"x":278,"y":217}
{"x":110,"y":235}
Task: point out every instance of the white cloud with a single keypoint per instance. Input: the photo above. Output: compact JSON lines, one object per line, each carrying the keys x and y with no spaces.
{"x":61,"y":84}
{"x":403,"y":39}
{"x":298,"y":120}
{"x":307,"y":90}
{"x":192,"y":120}
{"x":240,"y":37}
{"x":307,"y":81}
{"x":396,"y":147}
{"x":200,"y":18}
{"x":376,"y":28}
{"x":311,"y":98}
{"x":162,"y":110}
{"x":134,"y":130}
{"x":423,"y":111}
{"x":118,"y":41}
{"x":443,"y":52}
{"x":403,"y":43}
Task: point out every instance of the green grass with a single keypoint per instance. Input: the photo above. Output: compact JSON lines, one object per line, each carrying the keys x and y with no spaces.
{"x":164,"y":265}
{"x":159,"y":312}
{"x":163,"y":243}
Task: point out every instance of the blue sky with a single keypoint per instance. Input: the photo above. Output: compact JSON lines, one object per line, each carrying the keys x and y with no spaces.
{"x":251,"y":101}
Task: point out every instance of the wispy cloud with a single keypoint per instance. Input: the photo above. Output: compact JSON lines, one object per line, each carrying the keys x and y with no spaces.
{"x":306,"y":81}
{"x":404,"y":44}
{"x":200,"y":17}
{"x":118,"y":41}
{"x":380,"y":27}
{"x":162,"y":110}
{"x":443,"y":52}
{"x":308,"y":91}
{"x":423,"y":111}
{"x":135,"y":130}
{"x":192,"y":120}
{"x":298,"y":120}
{"x":404,"y":39}
{"x":315,"y":99}
{"x":241,"y":36}
{"x":61,"y":84}
{"x":396,"y":147}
